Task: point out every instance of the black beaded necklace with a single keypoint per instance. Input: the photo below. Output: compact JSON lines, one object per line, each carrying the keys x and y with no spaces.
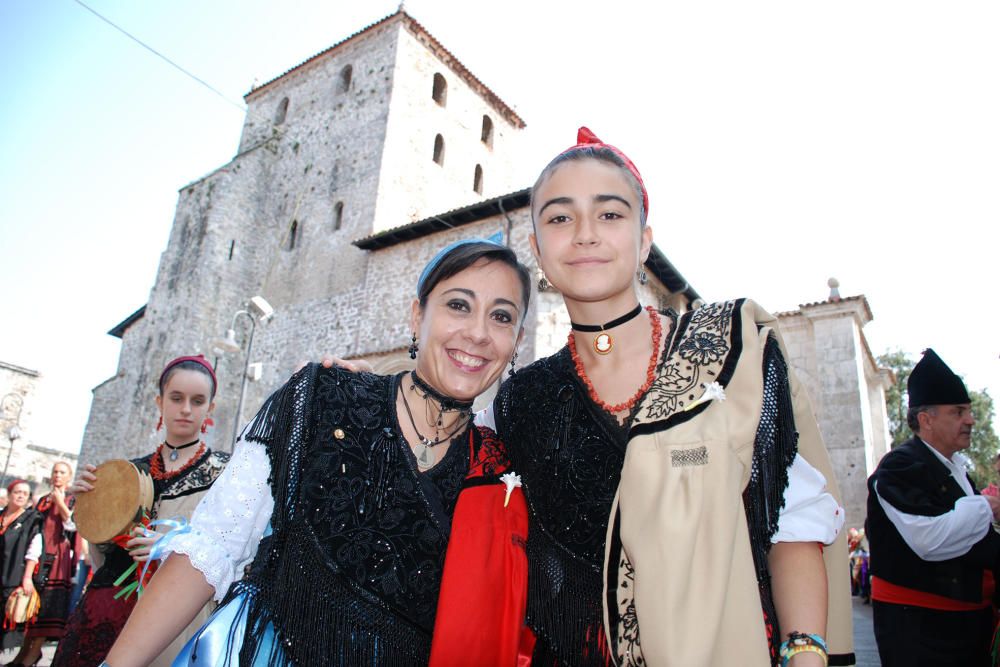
{"x":424,"y":455}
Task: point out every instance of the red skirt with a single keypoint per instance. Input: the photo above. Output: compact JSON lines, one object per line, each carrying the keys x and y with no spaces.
{"x":484,"y":588}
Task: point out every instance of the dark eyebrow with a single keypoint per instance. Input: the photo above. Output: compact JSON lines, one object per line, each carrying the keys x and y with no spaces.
{"x":472,"y":295}
{"x":557,"y":200}
{"x":604,"y":198}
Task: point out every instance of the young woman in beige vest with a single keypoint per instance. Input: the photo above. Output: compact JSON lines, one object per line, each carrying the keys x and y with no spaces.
{"x":679,"y":495}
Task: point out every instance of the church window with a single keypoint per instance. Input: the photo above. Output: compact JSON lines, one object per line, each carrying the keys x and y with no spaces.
{"x":477,"y":179}
{"x":338,"y":215}
{"x":279,"y":117}
{"x":293,"y":234}
{"x":439,"y":149}
{"x":344,"y":84}
{"x":440,"y":91}
{"x":487,"y":133}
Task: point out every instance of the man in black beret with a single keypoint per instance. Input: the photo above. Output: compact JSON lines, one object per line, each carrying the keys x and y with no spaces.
{"x":933,"y":547}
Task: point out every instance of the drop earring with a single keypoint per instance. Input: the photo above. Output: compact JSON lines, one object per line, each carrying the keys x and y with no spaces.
{"x":543,"y":282}
{"x":642,"y":277}
{"x":512,"y":360}
{"x":205,"y":424}
{"x":413,"y":347}
{"x":159,"y":424}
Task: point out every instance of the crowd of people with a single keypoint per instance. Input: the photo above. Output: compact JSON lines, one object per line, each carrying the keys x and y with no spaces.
{"x":654,"y":493}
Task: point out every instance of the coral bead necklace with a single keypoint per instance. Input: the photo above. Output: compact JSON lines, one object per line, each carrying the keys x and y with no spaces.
{"x":157,"y":469}
{"x":650,"y":370}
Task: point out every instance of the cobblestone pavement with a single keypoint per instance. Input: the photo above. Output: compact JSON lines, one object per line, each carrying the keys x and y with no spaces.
{"x":864,"y":638}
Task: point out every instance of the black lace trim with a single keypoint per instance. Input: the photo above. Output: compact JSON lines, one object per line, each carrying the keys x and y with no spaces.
{"x":775,"y":446}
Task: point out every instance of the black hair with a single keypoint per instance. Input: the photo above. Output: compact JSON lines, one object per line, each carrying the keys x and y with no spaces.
{"x":589,"y":153}
{"x":187,"y":366}
{"x":465,"y":255}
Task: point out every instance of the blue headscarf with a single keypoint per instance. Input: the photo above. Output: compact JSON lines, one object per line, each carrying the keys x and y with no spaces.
{"x":495,"y":239}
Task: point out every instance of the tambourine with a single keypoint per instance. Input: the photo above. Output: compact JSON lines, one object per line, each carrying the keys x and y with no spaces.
{"x":122,"y":494}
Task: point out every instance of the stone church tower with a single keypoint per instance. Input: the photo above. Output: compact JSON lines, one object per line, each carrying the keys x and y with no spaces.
{"x":353,"y":169}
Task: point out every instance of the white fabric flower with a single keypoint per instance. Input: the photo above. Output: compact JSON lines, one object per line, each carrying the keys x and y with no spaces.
{"x":511,"y":480}
{"x":713,"y":392}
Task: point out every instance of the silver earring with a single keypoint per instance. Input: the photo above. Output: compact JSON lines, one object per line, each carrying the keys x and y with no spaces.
{"x":512,"y":360}
{"x":642,"y":277}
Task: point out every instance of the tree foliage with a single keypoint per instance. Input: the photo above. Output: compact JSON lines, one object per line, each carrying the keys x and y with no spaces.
{"x":985,"y":443}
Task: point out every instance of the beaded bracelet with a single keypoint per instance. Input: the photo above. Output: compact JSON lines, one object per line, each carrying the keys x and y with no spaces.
{"x":790,"y":653}
{"x":799,"y":642}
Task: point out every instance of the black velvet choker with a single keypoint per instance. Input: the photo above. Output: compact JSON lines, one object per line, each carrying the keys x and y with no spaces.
{"x":447,"y":403}
{"x":593,"y":328}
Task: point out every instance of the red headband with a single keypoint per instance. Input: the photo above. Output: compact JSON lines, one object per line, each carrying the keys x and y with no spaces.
{"x":587,"y":139}
{"x":10,"y":487}
{"x":199,"y":359}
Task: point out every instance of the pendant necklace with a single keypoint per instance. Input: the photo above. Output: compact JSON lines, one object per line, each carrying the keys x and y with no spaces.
{"x":424,"y":454}
{"x":604,"y":343}
{"x":173,"y":450}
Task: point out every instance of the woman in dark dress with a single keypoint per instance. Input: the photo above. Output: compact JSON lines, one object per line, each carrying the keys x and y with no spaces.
{"x":19,"y":524}
{"x":182,"y":473}
{"x":58,"y":559}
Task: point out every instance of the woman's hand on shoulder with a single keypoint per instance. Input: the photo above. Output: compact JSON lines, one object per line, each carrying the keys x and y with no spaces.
{"x":352,"y":365}
{"x":84,"y":481}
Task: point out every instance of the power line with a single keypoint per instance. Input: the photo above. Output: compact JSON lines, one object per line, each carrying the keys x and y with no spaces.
{"x":170,"y":62}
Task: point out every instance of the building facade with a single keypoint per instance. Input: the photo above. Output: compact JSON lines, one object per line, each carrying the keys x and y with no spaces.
{"x":21,"y":455}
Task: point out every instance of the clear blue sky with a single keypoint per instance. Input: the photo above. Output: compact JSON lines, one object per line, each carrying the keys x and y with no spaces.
{"x":783,"y":143}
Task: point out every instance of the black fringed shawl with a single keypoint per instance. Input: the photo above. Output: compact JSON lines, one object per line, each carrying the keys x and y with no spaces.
{"x":351,"y":572}
{"x":570,"y":454}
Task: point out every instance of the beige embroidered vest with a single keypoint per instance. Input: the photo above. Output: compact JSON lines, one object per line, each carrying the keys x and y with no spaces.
{"x":678,"y":536}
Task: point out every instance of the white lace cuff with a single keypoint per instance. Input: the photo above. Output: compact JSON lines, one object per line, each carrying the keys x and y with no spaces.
{"x":230,"y":520}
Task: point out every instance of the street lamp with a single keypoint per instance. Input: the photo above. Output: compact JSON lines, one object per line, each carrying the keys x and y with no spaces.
{"x":256,"y":309}
{"x":14,"y":431}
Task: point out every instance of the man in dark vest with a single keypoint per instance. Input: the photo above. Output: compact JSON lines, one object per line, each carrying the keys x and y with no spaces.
{"x":933,"y":547}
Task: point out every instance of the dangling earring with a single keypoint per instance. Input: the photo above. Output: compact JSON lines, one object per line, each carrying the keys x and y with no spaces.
{"x":642,"y":277}
{"x":543,"y":283}
{"x":159,"y":424}
{"x":413,"y":346}
{"x":205,"y":424}
{"x":512,"y":360}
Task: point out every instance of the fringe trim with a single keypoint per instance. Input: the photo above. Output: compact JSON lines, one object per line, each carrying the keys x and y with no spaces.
{"x":564,"y":606}
{"x":319,"y":618}
{"x":775,"y":447}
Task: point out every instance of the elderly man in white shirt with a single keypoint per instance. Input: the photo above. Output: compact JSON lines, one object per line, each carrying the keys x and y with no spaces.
{"x":933,"y":550}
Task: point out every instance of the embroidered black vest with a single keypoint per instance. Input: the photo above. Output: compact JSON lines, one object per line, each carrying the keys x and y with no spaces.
{"x":351,"y":573}
{"x":914,"y":481}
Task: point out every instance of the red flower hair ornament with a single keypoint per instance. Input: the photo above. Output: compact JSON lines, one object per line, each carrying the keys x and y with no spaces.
{"x":587,"y":139}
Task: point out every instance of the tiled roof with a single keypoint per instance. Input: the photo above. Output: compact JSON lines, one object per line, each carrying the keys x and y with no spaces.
{"x":454,"y":218}
{"x":18,"y":369}
{"x":858,"y":297}
{"x":430,"y":42}
{"x":119,"y":329}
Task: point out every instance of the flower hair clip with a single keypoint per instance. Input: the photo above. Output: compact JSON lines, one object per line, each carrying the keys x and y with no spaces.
{"x":511,"y":480}
{"x":713,"y":392}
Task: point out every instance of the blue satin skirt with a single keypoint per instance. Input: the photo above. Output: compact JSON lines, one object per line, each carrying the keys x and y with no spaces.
{"x":219,"y":641}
